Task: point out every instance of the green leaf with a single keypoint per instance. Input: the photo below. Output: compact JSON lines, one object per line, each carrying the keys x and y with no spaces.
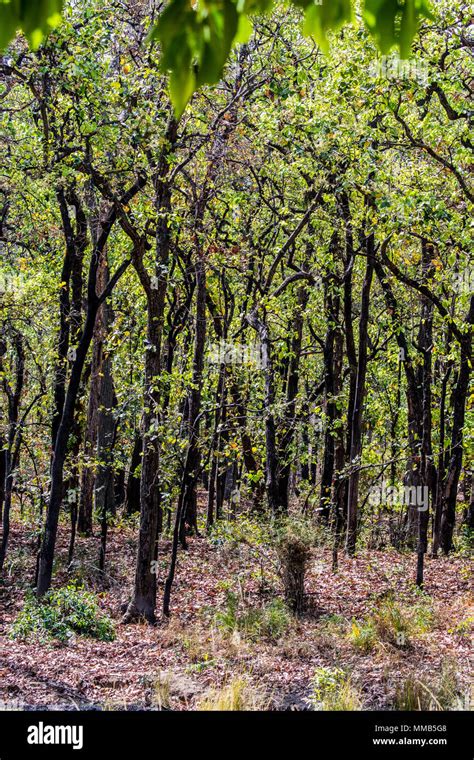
{"x":323,"y":17}
{"x":35,"y":18}
{"x":196,"y":40}
{"x":8,"y":23}
{"x":195,"y":44}
{"x":182,"y":87}
{"x":395,"y":22}
{"x":244,"y":30}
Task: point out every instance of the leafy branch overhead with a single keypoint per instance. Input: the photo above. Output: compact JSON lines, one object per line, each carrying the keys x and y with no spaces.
{"x":197,"y":37}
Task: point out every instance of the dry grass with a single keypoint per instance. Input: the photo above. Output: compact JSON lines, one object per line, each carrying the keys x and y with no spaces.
{"x":237,"y":694}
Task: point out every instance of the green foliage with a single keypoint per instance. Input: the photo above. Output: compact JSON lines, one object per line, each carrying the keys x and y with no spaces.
{"x":61,"y":614}
{"x":196,"y":39}
{"x":319,"y":19}
{"x":333,"y":624}
{"x":269,"y":622}
{"x":243,"y":530}
{"x":422,"y":616}
{"x":390,"y":623}
{"x":33,"y":17}
{"x":363,"y":636}
{"x":332,"y":690}
{"x":196,"y":43}
{"x":394,"y":23}
{"x":463,"y":629}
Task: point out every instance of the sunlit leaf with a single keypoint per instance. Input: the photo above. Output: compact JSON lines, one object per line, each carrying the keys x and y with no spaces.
{"x":35,"y":18}
{"x":196,"y":38}
{"x":394,"y":23}
{"x":321,"y":18}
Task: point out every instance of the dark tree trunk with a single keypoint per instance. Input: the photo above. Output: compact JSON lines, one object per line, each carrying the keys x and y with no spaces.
{"x":448,"y":517}
{"x":338,"y":483}
{"x":12,"y":452}
{"x":191,"y":474}
{"x":428,"y":471}
{"x":356,"y":419}
{"x":219,"y":403}
{"x":132,"y":498}
{"x":3,"y":472}
{"x":332,"y":311}
{"x":292,"y":383}
{"x":143,"y":602}
{"x":106,"y":424}
{"x":271,"y":456}
{"x":414,"y":396}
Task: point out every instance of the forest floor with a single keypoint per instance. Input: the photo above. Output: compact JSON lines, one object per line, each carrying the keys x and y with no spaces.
{"x":180,"y":662}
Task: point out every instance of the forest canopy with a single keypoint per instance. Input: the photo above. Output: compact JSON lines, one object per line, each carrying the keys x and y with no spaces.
{"x":197,"y":38}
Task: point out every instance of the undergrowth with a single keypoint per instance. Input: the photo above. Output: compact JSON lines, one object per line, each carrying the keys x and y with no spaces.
{"x":61,"y":614}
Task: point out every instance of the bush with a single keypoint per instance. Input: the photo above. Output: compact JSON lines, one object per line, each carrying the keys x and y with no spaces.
{"x":390,"y":622}
{"x":268,"y":622}
{"x":363,"y":635}
{"x":60,"y":615}
{"x":332,"y":690}
{"x":244,"y":529}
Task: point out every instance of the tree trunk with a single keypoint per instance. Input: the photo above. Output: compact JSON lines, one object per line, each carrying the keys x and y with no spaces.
{"x":356,"y":420}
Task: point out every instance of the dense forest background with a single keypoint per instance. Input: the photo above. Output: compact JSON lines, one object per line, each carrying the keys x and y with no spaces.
{"x":235,"y":366}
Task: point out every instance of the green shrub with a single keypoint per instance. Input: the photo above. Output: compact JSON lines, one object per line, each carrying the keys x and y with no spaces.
{"x":421,"y":617}
{"x":268,"y":622}
{"x":333,"y":621}
{"x":464,"y":628}
{"x":390,"y":622}
{"x":332,"y":690}
{"x":60,"y":614}
{"x":363,"y":635}
{"x":227,"y":619}
{"x":244,"y":529}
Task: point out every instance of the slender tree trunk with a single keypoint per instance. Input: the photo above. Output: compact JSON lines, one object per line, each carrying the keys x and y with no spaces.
{"x":428,"y":471}
{"x":132,"y":497}
{"x":12,"y":452}
{"x":356,"y":420}
{"x":271,"y":456}
{"x":332,"y":310}
{"x":193,"y":460}
{"x":220,"y":403}
{"x":448,"y":517}
{"x":289,"y":422}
